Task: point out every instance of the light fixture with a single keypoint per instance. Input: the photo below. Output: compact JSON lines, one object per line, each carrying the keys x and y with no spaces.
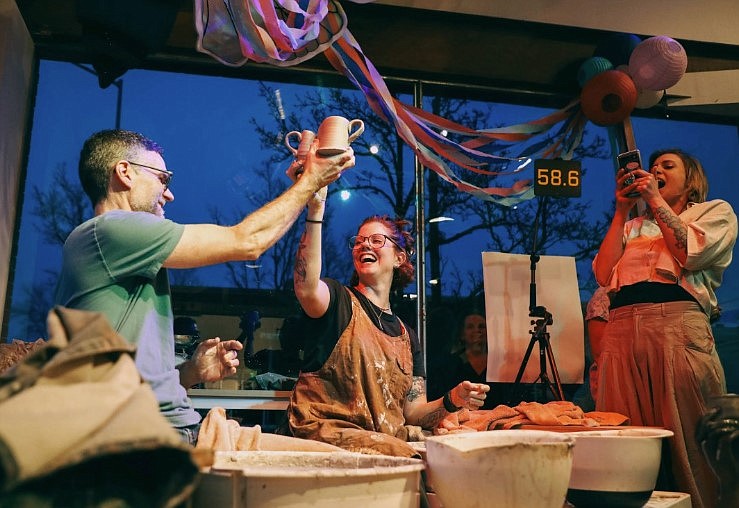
{"x":374,"y":149}
{"x":524,"y":163}
{"x":441,"y":218}
{"x":345,"y":195}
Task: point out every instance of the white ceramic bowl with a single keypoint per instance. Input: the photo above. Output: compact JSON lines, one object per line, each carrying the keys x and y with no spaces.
{"x":299,"y":479}
{"x":615,"y":468}
{"x":511,"y":468}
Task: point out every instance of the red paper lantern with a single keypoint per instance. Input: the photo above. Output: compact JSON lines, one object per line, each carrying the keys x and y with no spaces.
{"x":657,"y":63}
{"x":608,"y":98}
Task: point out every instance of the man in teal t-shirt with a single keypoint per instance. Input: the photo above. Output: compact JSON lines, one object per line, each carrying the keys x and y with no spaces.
{"x":115,"y":262}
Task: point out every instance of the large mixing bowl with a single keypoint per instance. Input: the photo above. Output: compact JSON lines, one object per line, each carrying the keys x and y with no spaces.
{"x":615,"y":468}
{"x":511,"y":468}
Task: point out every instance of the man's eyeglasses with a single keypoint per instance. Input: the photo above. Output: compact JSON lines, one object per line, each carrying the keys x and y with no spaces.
{"x":165,"y":179}
{"x":376,"y":241}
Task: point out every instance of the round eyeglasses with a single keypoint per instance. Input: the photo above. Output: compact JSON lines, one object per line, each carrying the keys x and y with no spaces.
{"x":376,"y":241}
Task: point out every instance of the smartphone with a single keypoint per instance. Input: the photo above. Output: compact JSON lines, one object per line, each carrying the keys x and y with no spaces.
{"x":630,"y":161}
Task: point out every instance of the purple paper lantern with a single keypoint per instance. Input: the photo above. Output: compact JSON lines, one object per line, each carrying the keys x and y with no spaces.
{"x":608,"y":98}
{"x":658,"y":63}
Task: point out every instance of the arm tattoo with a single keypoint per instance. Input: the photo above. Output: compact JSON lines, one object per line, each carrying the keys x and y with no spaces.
{"x":675,"y":224}
{"x":431,"y":420}
{"x":300,"y":271}
{"x":418,"y":388}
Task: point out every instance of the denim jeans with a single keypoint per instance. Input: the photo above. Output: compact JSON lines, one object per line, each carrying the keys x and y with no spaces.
{"x":189,"y":434}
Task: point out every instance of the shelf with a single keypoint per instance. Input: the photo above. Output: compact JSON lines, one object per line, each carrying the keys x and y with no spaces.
{"x":270,"y":400}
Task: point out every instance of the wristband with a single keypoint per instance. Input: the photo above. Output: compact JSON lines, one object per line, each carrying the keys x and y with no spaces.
{"x":311,"y":221}
{"x":448,"y":404}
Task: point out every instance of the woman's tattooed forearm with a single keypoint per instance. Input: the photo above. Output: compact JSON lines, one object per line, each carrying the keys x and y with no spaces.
{"x":299,"y":272}
{"x":418,"y":389}
{"x":431,"y":420}
{"x":673,"y":222}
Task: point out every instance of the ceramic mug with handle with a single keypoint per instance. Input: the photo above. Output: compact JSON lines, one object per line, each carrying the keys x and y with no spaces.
{"x":336,"y":133}
{"x":303,"y":139}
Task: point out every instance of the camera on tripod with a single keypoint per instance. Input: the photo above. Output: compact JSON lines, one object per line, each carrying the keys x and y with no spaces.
{"x":541,"y":312}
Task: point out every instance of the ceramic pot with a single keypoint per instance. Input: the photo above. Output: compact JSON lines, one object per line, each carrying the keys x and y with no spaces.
{"x":615,"y":468}
{"x":511,"y":468}
{"x":298,"y":479}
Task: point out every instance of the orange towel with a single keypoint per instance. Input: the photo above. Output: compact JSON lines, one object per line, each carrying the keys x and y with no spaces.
{"x":527,"y":413}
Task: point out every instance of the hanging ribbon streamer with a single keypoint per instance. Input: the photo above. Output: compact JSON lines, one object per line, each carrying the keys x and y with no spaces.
{"x":287,"y":32}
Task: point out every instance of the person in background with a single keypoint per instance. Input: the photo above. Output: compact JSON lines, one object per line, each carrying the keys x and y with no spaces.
{"x":116,"y":262}
{"x":469,"y":355}
{"x":658,"y":362}
{"x":361,"y":385}
{"x":186,"y":338}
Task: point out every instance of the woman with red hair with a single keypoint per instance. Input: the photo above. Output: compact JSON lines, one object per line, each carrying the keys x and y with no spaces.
{"x":362,"y":384}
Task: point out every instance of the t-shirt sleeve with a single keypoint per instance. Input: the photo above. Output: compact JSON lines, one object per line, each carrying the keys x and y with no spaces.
{"x":136,"y":243}
{"x":322,"y":334}
{"x":417,"y":352}
{"x":711,"y":235}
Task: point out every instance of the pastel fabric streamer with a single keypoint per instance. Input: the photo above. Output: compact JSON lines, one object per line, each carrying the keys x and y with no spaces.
{"x":287,"y":32}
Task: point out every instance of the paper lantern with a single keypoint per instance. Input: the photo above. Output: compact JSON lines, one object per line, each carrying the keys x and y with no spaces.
{"x":592,"y":66}
{"x":657,"y":63}
{"x":648,"y":98}
{"x":617,"y":48}
{"x":608,"y":98}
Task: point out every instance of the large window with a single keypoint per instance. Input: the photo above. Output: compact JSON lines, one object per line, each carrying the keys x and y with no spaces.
{"x":223,"y":140}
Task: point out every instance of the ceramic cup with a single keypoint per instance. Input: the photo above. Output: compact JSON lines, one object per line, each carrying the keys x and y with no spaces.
{"x":336,"y":133}
{"x":303,"y":140}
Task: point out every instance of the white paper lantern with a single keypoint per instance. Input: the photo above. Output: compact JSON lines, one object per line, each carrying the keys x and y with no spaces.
{"x":657,"y":63}
{"x":647,"y":98}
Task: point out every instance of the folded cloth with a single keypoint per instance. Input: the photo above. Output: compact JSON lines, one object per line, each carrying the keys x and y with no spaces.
{"x":552,"y":413}
{"x":77,"y":422}
{"x":218,"y":433}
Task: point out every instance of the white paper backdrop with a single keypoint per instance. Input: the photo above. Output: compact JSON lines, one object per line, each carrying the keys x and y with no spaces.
{"x":507,"y":279}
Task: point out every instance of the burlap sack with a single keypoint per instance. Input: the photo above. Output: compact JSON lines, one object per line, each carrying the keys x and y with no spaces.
{"x":78,"y":426}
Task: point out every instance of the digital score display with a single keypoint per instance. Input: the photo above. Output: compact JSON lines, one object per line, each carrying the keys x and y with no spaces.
{"x":558,"y":178}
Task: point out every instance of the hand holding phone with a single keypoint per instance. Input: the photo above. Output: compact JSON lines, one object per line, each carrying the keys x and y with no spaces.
{"x":629,"y":161}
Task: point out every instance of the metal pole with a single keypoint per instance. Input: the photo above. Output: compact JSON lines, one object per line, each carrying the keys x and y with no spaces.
{"x":119,"y":84}
{"x":421,"y":238}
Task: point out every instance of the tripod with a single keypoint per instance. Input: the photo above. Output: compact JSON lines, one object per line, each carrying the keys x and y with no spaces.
{"x":540,"y":335}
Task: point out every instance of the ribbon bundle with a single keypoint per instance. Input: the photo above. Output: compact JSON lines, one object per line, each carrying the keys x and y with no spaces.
{"x":287,"y":32}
